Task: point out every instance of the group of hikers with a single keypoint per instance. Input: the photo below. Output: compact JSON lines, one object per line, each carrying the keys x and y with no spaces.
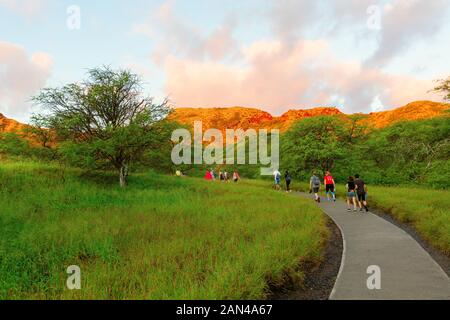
{"x":223,"y":176}
{"x":356,"y":189}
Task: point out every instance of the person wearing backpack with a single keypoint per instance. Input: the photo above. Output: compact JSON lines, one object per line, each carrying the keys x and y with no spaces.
{"x":361,"y":191}
{"x":314,"y":186}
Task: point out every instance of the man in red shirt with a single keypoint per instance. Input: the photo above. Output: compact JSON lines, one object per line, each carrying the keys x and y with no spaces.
{"x":330,"y":186}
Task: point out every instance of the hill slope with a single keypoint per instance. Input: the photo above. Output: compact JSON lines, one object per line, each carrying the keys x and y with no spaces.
{"x":10,"y":125}
{"x":245,"y":118}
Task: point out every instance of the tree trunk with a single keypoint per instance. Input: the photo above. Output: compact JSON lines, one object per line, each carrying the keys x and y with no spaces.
{"x":123,"y":173}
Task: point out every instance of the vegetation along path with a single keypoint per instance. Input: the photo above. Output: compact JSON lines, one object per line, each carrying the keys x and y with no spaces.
{"x":381,"y":261}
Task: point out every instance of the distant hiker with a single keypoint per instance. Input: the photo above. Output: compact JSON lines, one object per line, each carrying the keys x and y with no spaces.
{"x":288,"y":179}
{"x":225,"y":176}
{"x":330,"y":186}
{"x":361,"y":191}
{"x":236,"y":177}
{"x":314,"y":186}
{"x":277,"y":177}
{"x":221,"y":176}
{"x":208,"y":176}
{"x":351,"y":194}
{"x":213,"y":176}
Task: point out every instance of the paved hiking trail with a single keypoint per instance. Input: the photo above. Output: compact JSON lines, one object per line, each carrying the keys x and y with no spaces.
{"x":407,"y":270}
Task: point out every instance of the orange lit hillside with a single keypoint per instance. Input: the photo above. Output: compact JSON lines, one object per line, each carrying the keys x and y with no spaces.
{"x":245,"y":118}
{"x":414,"y":111}
{"x":10,"y":126}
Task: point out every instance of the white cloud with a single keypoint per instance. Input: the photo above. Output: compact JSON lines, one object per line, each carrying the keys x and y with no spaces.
{"x":21,"y":76}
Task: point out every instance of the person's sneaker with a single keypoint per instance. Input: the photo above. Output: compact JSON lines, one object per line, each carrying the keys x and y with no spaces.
{"x":361,"y":210}
{"x":318,"y":200}
{"x":349,"y":210}
{"x":355,"y":210}
{"x":367,"y":209}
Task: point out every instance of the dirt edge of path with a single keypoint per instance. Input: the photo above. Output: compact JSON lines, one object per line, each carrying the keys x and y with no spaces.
{"x":319,"y":278}
{"x":441,"y":259}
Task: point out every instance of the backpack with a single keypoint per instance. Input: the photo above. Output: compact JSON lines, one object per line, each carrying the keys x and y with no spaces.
{"x":315,"y":181}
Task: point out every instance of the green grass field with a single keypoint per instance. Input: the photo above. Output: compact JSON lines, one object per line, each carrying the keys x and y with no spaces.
{"x":161,"y":238}
{"x":427,"y":210}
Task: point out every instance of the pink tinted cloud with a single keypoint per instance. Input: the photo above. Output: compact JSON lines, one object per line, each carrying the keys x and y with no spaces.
{"x":277,"y":78}
{"x":21,"y":75}
{"x":174,"y":35}
{"x":26,"y":8}
{"x":289,"y":71}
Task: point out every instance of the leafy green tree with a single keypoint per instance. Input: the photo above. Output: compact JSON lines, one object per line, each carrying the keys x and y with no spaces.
{"x":314,"y":144}
{"x":408,"y":151}
{"x":105,"y":121}
{"x":38,"y":130}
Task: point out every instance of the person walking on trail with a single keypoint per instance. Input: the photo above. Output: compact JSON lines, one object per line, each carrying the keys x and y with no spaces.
{"x":330,"y":186}
{"x":208,"y":176}
{"x":361,"y":191}
{"x":288,"y":179}
{"x":213,"y":176}
{"x":314,"y":186}
{"x":221,"y":176}
{"x":277,"y":177}
{"x":351,"y":194}
{"x":236,"y":176}
{"x":226,"y":177}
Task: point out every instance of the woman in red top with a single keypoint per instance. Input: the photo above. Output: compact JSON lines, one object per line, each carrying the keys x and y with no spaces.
{"x":208,"y":176}
{"x":330,"y":186}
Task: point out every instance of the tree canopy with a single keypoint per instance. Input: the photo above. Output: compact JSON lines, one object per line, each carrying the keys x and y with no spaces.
{"x":104,"y":120}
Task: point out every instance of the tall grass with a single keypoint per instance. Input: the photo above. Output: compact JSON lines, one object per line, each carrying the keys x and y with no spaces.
{"x":426,"y":209}
{"x":160,"y":238}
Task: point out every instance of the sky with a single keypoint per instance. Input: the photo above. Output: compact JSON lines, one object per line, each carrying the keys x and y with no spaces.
{"x":275,"y":55}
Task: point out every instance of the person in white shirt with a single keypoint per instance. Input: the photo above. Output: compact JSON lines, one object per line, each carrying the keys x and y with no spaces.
{"x":277,"y":176}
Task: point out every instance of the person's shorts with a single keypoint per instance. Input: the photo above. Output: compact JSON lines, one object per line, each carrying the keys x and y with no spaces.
{"x":316,"y":189}
{"x":362,"y":197}
{"x":277,"y":181}
{"x":351,"y":194}
{"x":330,"y":187}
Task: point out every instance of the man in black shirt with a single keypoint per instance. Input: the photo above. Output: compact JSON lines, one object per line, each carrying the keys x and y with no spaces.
{"x":361,"y":190}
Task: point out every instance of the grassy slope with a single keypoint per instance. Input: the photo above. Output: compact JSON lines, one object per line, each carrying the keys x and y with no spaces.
{"x":427,"y":210}
{"x":163,"y":237}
